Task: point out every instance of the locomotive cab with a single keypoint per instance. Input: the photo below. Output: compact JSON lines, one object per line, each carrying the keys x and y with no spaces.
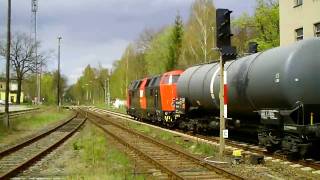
{"x":153,"y":98}
{"x":168,"y":91}
{"x":142,"y":98}
{"x":133,"y":98}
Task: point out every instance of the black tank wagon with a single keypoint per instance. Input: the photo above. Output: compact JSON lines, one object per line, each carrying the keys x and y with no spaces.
{"x":277,"y":92}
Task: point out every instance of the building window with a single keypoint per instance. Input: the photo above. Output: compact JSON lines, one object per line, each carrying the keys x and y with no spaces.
{"x":299,"y":34}
{"x":298,"y":3}
{"x":317,"y":30}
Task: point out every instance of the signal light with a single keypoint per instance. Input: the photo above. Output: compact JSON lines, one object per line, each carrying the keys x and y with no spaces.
{"x":224,"y":35}
{"x":228,"y":53}
{"x":223,"y":27}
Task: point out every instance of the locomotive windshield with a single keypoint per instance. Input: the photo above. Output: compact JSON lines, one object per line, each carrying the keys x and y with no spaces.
{"x":175,"y":78}
{"x":170,"y":79}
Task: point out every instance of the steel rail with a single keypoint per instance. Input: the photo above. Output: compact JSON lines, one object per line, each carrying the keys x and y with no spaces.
{"x":34,"y":158}
{"x":185,"y":154}
{"x":20,"y":112}
{"x":170,"y":172}
{"x":304,"y":163}
{"x":25,"y":143}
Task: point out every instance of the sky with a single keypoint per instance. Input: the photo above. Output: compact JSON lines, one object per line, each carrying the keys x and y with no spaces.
{"x":97,"y":31}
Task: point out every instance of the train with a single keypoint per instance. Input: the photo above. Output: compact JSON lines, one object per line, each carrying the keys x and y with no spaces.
{"x":273,"y":94}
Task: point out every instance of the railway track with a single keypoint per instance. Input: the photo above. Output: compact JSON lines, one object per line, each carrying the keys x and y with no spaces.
{"x":247,"y":148}
{"x":174,"y":162}
{"x":15,"y":114}
{"x":23,"y":155}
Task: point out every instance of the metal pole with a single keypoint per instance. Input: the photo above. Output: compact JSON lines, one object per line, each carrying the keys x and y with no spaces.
{"x":6,"y":109}
{"x":58,"y":85}
{"x":87,"y":93}
{"x":222,"y":120}
{"x":105,"y":91}
{"x":127,"y":69}
{"x":108,"y":92}
{"x":34,"y":9}
{"x":37,"y":62}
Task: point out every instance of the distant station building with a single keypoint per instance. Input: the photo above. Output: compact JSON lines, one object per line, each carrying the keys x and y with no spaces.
{"x":13,"y":90}
{"x":299,"y":19}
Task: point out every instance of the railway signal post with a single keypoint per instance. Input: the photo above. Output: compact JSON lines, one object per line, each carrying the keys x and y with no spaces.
{"x":221,"y":97}
{"x":227,"y":52}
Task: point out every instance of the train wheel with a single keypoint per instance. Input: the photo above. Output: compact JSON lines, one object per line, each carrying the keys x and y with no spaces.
{"x":295,"y":145}
{"x":270,"y":141}
{"x":272,"y":149}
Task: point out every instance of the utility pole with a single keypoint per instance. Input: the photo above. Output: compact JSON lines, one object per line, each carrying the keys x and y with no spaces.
{"x":6,"y":109}
{"x":34,"y":9}
{"x":105,"y":91}
{"x":108,"y":95}
{"x":87,"y":87}
{"x":127,"y":69}
{"x":58,"y":85}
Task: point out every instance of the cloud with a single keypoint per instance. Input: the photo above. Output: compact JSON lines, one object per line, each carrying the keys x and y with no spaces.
{"x":96,"y":31}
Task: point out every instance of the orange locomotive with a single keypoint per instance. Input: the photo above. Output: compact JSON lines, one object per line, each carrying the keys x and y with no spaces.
{"x":152,"y":98}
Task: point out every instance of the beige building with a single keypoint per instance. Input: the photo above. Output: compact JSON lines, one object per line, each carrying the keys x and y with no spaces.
{"x":299,"y":19}
{"x":12,"y":93}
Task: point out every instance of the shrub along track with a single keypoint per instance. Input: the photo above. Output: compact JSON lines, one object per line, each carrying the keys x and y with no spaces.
{"x":23,"y":155}
{"x":176,"y":163}
{"x":248,"y":148}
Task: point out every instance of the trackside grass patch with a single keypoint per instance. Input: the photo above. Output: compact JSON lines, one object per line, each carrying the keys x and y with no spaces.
{"x":191,"y":146}
{"x":29,"y":123}
{"x":97,"y":158}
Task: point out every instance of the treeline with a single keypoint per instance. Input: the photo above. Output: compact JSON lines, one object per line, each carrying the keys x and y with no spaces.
{"x":180,"y":45}
{"x":25,"y":62}
{"x":49,"y":87}
{"x":175,"y":46}
{"x":263,"y":27}
{"x":90,"y":87}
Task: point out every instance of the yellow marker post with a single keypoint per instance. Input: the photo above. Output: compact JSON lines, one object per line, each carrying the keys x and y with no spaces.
{"x":237,"y":153}
{"x":311,"y":119}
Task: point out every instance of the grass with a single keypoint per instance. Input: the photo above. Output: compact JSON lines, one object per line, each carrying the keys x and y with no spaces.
{"x":121,"y":109}
{"x":193,"y":147}
{"x":97,"y":159}
{"x":29,"y":123}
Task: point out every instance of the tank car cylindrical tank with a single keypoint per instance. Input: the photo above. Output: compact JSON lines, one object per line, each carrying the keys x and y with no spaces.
{"x":278,"y":78}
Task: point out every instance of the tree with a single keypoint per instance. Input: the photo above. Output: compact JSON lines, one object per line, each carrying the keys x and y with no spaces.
{"x":199,"y":38}
{"x":49,"y":82}
{"x":90,"y":87}
{"x":157,"y":57}
{"x":144,"y":41}
{"x":262,"y":28}
{"x":266,"y":21}
{"x":244,"y":32}
{"x":22,"y":58}
{"x":175,"y":44}
{"x":102,"y":77}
